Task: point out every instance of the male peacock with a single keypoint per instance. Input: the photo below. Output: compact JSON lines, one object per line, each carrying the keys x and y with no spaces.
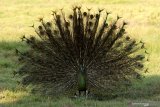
{"x":79,"y":53}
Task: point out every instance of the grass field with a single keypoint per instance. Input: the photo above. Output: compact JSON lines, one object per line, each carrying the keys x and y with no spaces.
{"x":17,"y":15}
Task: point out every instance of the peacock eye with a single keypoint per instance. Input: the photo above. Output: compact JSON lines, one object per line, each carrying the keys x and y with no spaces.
{"x":42,"y":32}
{"x":106,"y":25}
{"x":32,"y":38}
{"x":55,"y":32}
{"x":91,"y":16}
{"x":97,"y":16}
{"x":90,"y":23}
{"x":58,"y":16}
{"x":67,"y":24}
{"x":79,"y":8}
{"x":139,"y":65}
{"x":40,"y":27}
{"x":70,"y":16}
{"x":40,"y":19}
{"x":123,"y":30}
{"x":48,"y":24}
{"x":48,"y":30}
{"x":127,"y":38}
{"x":84,"y":13}
{"x":89,"y":30}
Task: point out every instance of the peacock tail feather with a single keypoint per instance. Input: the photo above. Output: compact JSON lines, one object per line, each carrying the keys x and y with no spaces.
{"x":83,"y":51}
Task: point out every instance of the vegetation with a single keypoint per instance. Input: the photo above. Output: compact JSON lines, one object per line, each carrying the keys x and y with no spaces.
{"x":17,"y":15}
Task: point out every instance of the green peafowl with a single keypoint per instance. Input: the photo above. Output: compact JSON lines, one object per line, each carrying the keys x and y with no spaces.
{"x":81,"y":52}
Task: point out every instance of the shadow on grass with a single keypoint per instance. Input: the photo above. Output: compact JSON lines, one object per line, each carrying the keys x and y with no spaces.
{"x":11,"y":96}
{"x":148,"y":88}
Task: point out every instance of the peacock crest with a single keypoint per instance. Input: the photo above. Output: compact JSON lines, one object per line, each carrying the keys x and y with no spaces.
{"x":81,"y":51}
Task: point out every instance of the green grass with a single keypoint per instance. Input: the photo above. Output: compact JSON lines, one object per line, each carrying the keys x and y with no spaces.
{"x":15,"y":17}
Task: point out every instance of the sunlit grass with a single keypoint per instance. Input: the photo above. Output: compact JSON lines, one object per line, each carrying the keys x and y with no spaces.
{"x":8,"y":96}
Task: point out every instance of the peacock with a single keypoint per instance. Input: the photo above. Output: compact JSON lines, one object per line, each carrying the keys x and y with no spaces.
{"x":81,"y":53}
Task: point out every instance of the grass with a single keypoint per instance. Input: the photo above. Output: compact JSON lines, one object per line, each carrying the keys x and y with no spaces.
{"x":16,"y":15}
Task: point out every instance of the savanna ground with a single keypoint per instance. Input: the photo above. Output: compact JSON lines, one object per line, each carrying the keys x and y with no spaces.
{"x":17,"y":15}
